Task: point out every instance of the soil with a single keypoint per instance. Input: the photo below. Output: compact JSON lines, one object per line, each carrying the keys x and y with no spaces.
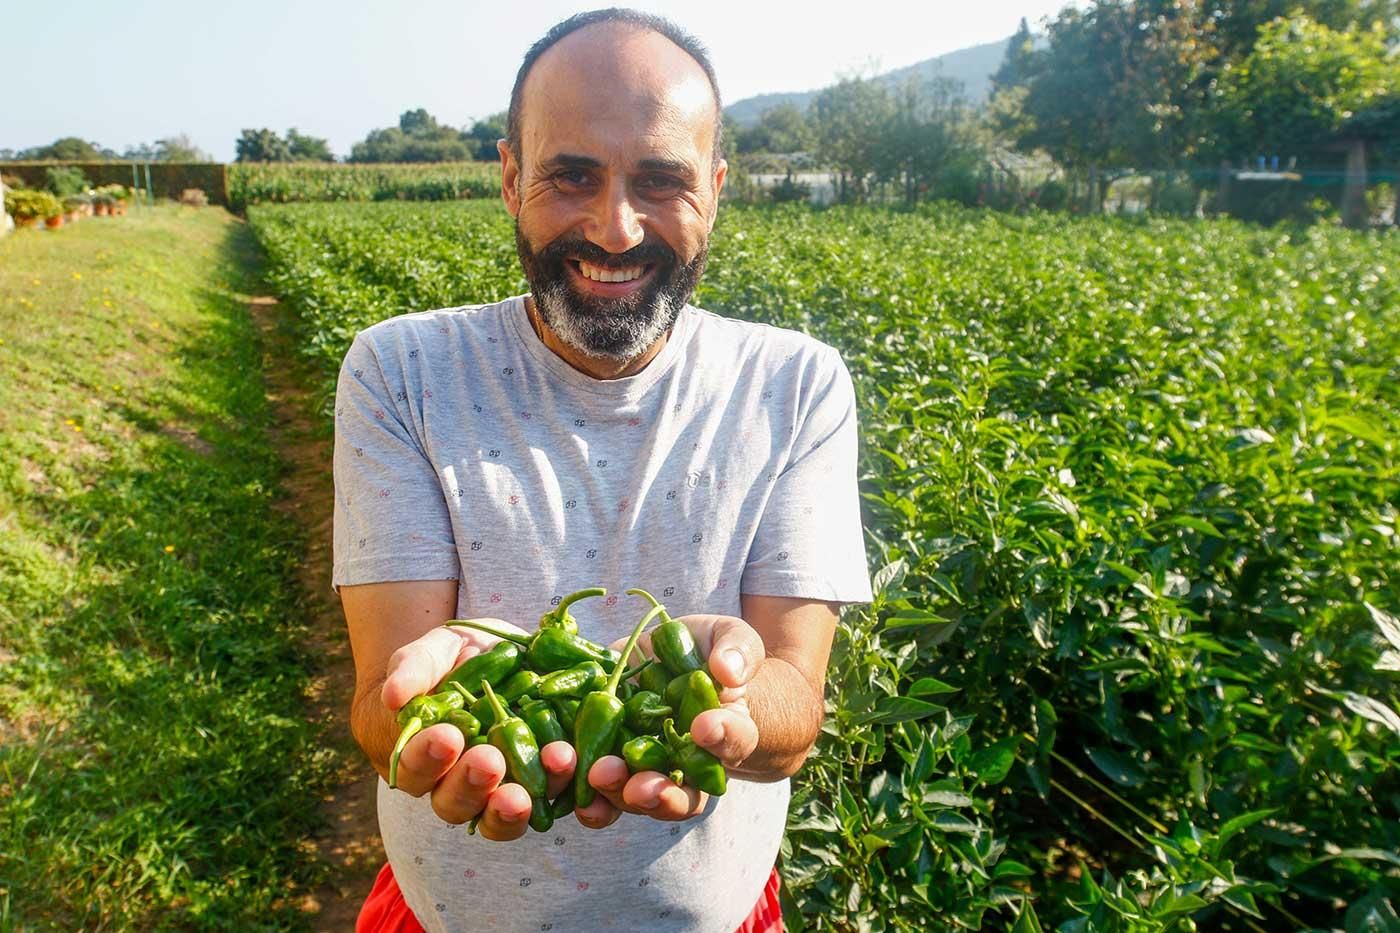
{"x":350,"y":842}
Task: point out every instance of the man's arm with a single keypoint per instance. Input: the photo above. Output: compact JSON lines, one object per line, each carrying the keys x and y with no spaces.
{"x":785,"y":694}
{"x":382,"y":618}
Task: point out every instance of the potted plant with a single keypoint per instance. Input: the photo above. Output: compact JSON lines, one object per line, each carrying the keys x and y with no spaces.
{"x":27,"y":206}
{"x":103,"y":203}
{"x":75,"y":206}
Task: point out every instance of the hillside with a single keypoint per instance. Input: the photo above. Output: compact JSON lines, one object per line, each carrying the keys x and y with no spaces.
{"x":973,"y":66}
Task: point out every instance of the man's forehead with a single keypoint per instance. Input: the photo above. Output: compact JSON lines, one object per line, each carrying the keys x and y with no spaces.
{"x":612,"y":78}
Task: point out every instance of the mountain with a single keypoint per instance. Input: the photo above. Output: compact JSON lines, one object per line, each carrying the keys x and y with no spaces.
{"x":973,"y":66}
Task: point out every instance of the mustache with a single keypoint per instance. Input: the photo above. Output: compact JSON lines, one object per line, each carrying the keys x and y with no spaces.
{"x":648,"y":251}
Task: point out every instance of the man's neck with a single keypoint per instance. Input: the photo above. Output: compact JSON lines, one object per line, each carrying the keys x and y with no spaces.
{"x":597,"y":367}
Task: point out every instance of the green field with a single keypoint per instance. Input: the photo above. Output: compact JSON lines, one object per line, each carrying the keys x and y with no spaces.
{"x":1131,"y":499}
{"x":157,"y":766}
{"x":1131,"y":494}
{"x":283,"y":182}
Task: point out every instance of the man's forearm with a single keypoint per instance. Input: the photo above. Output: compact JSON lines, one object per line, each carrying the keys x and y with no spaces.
{"x":374,"y":728}
{"x":788,"y":713}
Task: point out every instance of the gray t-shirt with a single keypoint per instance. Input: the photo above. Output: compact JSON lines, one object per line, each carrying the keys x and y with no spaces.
{"x":466,"y":449}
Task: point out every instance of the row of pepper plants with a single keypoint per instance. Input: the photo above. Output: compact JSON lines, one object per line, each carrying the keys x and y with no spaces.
{"x":1131,"y":500}
{"x":286,"y":182}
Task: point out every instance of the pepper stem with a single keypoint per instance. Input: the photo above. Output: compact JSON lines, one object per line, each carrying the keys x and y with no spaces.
{"x":638,"y":591}
{"x":668,"y":728}
{"x":414,"y":726}
{"x":521,"y":640}
{"x":497,"y":707}
{"x":633,"y":672}
{"x":466,"y":694}
{"x":617,"y":673}
{"x":563,"y":608}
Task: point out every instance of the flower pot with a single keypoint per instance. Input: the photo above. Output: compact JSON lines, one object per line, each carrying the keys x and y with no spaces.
{"x":100,"y":210}
{"x":119,"y":208}
{"x":26,"y":221}
{"x":54,"y":222}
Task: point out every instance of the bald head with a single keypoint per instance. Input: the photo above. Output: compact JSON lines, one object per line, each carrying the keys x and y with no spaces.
{"x":622,"y":54}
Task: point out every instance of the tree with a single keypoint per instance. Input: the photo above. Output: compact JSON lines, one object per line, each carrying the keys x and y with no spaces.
{"x":304,"y":148}
{"x":67,"y":149}
{"x":1119,"y":85}
{"x":262,"y":145}
{"x":930,"y":135}
{"x":849,"y":118}
{"x":418,"y":138}
{"x":782,"y":128}
{"x":1299,"y":87}
{"x":179,"y":149}
{"x":1019,"y":63}
{"x":484,"y":134}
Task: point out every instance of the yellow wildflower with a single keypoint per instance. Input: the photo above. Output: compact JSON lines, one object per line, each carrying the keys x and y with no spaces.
{"x":170,"y":549}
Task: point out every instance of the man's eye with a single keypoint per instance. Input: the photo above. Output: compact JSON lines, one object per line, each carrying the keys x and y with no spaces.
{"x":571,"y":176}
{"x":660,"y":183}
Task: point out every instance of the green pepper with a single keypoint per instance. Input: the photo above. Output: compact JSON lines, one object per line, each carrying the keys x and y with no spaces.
{"x":675,"y":690}
{"x":644,"y":712}
{"x":480,"y":740}
{"x":416,"y":715}
{"x":512,"y":736}
{"x":559,"y":616}
{"x":549,"y":649}
{"x":484,"y":714}
{"x":567,"y":708}
{"x":494,"y":665}
{"x":468,"y":724}
{"x":518,"y":684}
{"x":699,"y":695}
{"x":542,"y":722}
{"x":574,"y":682}
{"x":599,"y":721}
{"x":671,"y":642}
{"x":654,"y":679}
{"x":646,"y":753}
{"x":700,"y":769}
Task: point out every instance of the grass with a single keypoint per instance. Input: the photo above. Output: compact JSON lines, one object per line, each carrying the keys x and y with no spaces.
{"x":157,"y":767}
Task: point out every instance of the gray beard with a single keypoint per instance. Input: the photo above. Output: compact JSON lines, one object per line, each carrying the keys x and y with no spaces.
{"x":619,"y":332}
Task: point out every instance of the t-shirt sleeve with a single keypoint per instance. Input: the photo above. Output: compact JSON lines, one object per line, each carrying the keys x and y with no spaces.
{"x":391,"y":520}
{"x":809,"y":542}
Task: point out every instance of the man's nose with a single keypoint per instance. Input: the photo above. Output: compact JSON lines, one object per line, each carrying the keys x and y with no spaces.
{"x":616,"y":226}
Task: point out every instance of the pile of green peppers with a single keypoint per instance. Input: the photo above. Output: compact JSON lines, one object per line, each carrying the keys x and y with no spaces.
{"x":554,"y":684}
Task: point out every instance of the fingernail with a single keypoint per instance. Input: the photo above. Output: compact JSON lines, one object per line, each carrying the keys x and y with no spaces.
{"x":439,"y":751}
{"x":479,"y":778}
{"x":735,"y":659}
{"x":514,"y":817}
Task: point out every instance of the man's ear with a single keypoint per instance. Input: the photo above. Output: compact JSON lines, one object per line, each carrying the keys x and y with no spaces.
{"x":510,"y":178}
{"x":721,"y":173}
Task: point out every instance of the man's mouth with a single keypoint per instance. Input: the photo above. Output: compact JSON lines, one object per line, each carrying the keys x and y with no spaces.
{"x":607,"y":282}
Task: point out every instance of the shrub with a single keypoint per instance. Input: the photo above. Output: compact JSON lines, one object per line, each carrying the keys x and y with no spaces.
{"x":27,"y":204}
{"x":65,"y":180}
{"x":194,"y":197}
{"x":790,"y":189}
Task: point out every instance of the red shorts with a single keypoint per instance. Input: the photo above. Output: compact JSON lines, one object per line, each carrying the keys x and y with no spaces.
{"x":386,"y":912}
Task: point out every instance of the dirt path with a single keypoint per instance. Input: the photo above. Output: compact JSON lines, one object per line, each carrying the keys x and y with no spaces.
{"x":350,"y":844}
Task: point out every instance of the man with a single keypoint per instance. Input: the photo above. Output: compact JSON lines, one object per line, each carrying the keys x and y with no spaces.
{"x":598,"y":431}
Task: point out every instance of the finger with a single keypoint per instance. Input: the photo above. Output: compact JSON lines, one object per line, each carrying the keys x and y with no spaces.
{"x":462,"y":793}
{"x":507,"y":814}
{"x":598,"y":814}
{"x":727,"y":733}
{"x":736,"y":651}
{"x":661,"y":798}
{"x":559,"y":760}
{"x":418,"y":666}
{"x":609,"y":776}
{"x":427,"y":757}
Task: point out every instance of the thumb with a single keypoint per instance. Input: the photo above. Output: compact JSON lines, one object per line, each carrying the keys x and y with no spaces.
{"x":735,"y":653}
{"x":420,"y":665}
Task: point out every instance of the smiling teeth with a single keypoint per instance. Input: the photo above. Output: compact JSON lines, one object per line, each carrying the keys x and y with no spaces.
{"x":609,"y":275}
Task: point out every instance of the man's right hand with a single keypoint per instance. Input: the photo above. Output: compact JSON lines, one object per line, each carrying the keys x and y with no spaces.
{"x":463,"y":782}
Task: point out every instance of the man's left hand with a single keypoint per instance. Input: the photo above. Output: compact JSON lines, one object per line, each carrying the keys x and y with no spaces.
{"x":734,"y":652}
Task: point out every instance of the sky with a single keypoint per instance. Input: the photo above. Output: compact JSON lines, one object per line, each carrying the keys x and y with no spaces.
{"x":132,"y":72}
